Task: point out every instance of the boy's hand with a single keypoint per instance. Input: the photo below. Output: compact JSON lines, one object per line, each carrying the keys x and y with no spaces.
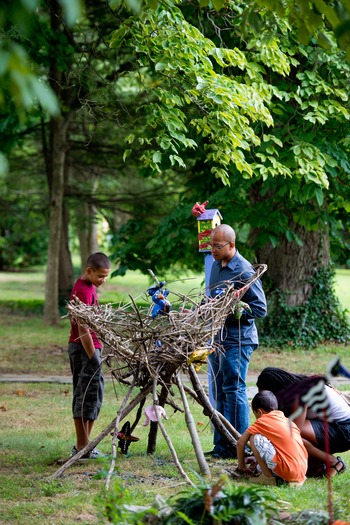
{"x":251,"y":465}
{"x":244,"y":472}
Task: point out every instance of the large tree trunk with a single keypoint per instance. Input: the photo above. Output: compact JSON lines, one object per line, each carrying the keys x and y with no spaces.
{"x":66,"y":270}
{"x":55,"y":165}
{"x":291,"y":266}
{"x":87,"y":231}
{"x":58,"y":142}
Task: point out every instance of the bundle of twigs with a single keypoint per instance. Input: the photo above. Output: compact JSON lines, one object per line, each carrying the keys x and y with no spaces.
{"x":141,"y":347}
{"x":145,"y":352}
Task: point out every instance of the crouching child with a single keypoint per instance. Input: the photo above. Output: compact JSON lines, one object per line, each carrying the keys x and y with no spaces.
{"x":275,"y":442}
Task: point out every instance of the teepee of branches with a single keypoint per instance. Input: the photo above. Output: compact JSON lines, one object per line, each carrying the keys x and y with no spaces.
{"x":149,"y":354}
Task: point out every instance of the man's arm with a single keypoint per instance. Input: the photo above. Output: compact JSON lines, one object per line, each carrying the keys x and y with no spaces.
{"x":300,"y":420}
{"x":256,"y":299}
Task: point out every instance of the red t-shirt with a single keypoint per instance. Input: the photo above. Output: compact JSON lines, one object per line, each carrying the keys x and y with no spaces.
{"x":291,"y":454}
{"x":86,"y":292}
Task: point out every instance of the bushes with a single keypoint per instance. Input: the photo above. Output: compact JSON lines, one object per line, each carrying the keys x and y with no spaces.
{"x":219,"y":504}
{"x":319,"y":320}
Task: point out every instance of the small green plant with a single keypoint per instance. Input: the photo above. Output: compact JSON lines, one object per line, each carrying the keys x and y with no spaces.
{"x":217,"y":504}
{"x":115,"y":505}
{"x":222,"y":503}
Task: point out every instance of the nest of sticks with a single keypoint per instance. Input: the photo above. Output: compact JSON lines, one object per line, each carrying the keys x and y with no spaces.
{"x":139,"y":348}
{"x":146,"y":352}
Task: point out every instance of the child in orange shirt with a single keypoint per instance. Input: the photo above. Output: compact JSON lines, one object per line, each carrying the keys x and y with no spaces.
{"x":275,"y":442}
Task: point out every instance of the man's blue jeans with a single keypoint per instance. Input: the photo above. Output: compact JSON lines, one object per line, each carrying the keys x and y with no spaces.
{"x":229,"y":370}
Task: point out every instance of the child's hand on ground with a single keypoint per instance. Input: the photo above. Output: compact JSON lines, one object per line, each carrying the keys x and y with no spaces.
{"x":251,"y":465}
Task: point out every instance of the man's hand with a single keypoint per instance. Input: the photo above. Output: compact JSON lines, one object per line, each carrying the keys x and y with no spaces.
{"x":240,"y":308}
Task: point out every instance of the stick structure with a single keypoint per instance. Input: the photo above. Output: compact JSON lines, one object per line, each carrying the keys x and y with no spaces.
{"x":145,"y":352}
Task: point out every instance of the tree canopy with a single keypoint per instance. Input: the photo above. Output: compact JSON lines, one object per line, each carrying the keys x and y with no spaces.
{"x":165,"y":104}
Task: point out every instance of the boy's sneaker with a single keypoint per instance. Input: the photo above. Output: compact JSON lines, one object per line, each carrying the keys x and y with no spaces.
{"x":74,"y":451}
{"x":95,"y":453}
{"x":296,"y":484}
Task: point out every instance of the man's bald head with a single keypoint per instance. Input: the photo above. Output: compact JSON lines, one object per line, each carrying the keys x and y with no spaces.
{"x":226,"y":231}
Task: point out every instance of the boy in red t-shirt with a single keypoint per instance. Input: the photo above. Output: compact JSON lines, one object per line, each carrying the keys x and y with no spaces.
{"x":85,"y":358}
{"x":276,"y":444}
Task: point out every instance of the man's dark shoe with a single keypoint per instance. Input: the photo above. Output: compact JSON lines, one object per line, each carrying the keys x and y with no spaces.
{"x":210,"y":453}
{"x":227,"y":455}
{"x":218,"y":455}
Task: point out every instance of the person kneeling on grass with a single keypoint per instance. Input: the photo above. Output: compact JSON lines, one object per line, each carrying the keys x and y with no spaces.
{"x":275,"y":442}
{"x":289,"y":387}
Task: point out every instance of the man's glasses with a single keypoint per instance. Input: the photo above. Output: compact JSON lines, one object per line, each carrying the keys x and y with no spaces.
{"x":218,"y":246}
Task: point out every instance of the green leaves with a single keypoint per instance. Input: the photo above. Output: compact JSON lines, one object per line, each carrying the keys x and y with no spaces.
{"x":270,"y":53}
{"x":116,"y":38}
{"x":3,"y":165}
{"x":18,"y":79}
{"x":311,"y":19}
{"x":184,"y":66}
{"x":229,"y":504}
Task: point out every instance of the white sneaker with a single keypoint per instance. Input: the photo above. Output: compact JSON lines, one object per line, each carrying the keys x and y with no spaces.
{"x":95,"y":453}
{"x":296,"y":484}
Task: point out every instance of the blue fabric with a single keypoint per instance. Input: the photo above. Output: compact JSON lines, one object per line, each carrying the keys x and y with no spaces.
{"x":235,"y":345}
{"x":237,"y":271}
{"x":229,"y":373}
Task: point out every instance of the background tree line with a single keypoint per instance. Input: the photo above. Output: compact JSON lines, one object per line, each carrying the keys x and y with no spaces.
{"x":153,"y":110}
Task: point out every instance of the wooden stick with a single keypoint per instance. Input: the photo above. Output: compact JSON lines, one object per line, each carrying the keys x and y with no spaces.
{"x":133,"y":403}
{"x":167,"y":439}
{"x":115,"y":436}
{"x":217,"y":420}
{"x":224,"y":421}
{"x":203,"y":465}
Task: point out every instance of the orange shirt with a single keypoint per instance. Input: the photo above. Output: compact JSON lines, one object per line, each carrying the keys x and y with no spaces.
{"x":291,"y":454}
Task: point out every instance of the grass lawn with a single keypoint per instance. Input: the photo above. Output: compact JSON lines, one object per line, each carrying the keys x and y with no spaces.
{"x":36,"y":431}
{"x":342,"y":288}
{"x":30,"y":286}
{"x":36,"y":427}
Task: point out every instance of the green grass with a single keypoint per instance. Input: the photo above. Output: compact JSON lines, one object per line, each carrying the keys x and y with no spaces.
{"x":17,"y":287}
{"x":36,"y":430}
{"x":342,"y":288}
{"x":36,"y":425}
{"x":26,"y":287}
